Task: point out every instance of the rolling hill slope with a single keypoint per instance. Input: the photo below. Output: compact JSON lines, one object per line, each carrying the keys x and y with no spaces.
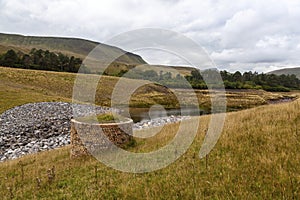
{"x":70,"y":46}
{"x":81,"y":48}
{"x":287,"y":71}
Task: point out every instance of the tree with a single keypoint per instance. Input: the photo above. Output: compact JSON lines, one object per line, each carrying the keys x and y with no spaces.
{"x":26,"y":61}
{"x":10,"y":58}
{"x":196,"y":76}
{"x":63,"y":62}
{"x":247,"y":76}
{"x":150,"y":75}
{"x":226,"y":75}
{"x":237,"y":76}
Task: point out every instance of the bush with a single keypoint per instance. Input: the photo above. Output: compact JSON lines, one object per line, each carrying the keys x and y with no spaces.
{"x":275,"y":89}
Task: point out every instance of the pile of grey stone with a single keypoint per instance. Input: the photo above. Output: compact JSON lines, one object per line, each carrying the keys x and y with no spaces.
{"x":156,"y":122}
{"x":35,"y":127}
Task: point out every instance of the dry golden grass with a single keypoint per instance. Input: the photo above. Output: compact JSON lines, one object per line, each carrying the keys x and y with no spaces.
{"x":256,"y":157}
{"x":19,"y":86}
{"x":13,"y":94}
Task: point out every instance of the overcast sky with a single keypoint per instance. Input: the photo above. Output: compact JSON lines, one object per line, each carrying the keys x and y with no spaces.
{"x":238,"y":35}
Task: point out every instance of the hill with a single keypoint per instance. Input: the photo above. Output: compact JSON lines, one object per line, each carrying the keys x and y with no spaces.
{"x":256,"y":157}
{"x":70,"y":46}
{"x":287,"y":71}
{"x":81,"y":48}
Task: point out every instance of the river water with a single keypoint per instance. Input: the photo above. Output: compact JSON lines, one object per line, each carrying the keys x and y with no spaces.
{"x":139,"y":114}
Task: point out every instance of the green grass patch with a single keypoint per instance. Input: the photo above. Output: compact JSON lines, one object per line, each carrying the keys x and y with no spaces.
{"x":102,"y":118}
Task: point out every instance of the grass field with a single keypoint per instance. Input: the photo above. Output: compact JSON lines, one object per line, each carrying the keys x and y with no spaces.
{"x":256,"y":157}
{"x":19,"y":86}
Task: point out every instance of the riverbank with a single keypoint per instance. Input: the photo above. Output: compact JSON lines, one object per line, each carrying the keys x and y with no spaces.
{"x":36,"y":127}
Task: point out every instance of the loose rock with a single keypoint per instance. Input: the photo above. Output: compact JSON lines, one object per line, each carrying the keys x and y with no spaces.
{"x":35,"y":127}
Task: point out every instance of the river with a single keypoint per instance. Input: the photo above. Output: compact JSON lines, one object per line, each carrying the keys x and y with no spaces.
{"x":139,"y":114}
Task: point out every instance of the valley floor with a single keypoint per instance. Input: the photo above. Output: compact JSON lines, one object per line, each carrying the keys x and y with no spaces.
{"x":19,"y":86}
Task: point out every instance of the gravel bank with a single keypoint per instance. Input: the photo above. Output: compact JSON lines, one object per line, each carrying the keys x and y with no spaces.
{"x":35,"y":127}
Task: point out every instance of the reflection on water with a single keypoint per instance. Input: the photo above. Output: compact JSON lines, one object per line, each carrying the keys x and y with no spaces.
{"x":139,"y":114}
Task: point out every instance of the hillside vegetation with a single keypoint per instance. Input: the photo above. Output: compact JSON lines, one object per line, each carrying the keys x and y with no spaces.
{"x":256,"y":157}
{"x":70,"y":46}
{"x":180,"y":77}
{"x":41,"y":60}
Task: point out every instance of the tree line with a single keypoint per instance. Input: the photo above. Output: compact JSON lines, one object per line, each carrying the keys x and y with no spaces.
{"x":40,"y":60}
{"x":269,"y":82}
{"x":237,"y":80}
{"x":249,"y":80}
{"x":45,"y":60}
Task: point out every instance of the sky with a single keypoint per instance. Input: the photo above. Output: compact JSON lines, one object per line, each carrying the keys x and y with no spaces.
{"x":237,"y":35}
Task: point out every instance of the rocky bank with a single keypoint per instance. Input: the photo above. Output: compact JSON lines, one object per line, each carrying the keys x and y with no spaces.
{"x":35,"y":127}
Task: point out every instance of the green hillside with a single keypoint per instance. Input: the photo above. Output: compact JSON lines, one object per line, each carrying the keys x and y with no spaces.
{"x":70,"y":46}
{"x":287,"y":71}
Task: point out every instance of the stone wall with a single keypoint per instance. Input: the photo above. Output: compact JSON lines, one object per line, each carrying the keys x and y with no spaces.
{"x":87,"y":137}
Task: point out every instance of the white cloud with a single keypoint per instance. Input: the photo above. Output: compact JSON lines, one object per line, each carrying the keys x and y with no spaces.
{"x":256,"y":35}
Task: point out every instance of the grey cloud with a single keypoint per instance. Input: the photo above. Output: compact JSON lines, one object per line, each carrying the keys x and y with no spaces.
{"x":257,"y":35}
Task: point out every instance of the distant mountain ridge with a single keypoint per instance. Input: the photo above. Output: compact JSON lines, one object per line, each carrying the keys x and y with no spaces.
{"x":70,"y":46}
{"x":286,"y":71}
{"x":80,"y":48}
